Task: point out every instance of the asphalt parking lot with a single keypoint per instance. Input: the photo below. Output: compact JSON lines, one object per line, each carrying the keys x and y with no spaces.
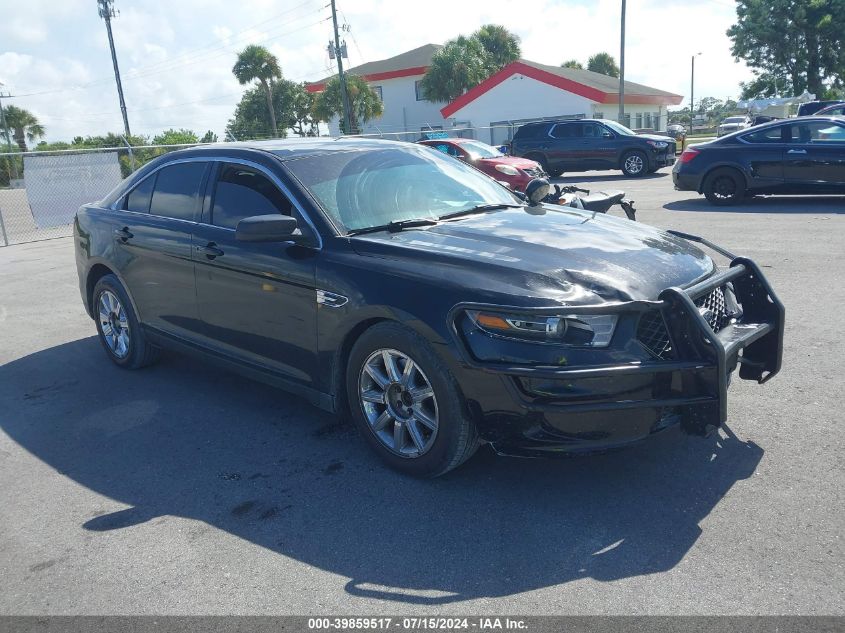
{"x":184,"y":489}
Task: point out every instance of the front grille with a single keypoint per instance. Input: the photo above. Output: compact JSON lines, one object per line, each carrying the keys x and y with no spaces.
{"x":652,"y":333}
{"x":713,"y":308}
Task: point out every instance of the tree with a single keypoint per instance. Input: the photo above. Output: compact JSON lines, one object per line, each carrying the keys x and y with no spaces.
{"x":791,"y":45}
{"x":603,"y":63}
{"x":23,"y":126}
{"x":573,"y":63}
{"x":292,"y":108}
{"x":209,"y":137}
{"x":256,"y":63}
{"x":501,"y":45}
{"x":465,"y":62}
{"x":364,"y":102}
{"x":175,"y":137}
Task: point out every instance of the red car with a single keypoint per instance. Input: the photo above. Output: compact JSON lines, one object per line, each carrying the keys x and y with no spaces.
{"x":516,"y":172}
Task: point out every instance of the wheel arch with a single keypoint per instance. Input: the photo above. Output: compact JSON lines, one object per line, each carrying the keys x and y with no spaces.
{"x":723,"y":165}
{"x":97,"y":271}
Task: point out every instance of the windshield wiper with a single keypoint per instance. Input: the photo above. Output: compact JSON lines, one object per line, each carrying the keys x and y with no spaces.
{"x":395,"y":226}
{"x":481,"y":208}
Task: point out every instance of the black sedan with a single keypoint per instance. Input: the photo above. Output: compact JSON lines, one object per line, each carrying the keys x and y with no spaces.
{"x":795,"y":156}
{"x":437,"y":307}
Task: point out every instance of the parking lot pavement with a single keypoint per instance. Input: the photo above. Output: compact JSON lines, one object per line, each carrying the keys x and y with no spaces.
{"x":184,"y":489}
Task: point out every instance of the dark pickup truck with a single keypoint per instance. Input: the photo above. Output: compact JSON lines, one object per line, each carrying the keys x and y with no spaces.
{"x":589,"y":144}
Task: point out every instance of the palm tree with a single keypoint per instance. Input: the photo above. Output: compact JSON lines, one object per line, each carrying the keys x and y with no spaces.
{"x":573,"y":63}
{"x":257,"y":63}
{"x":603,"y":63}
{"x":23,"y":125}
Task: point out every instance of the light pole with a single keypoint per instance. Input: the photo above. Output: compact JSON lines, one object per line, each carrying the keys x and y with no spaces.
{"x":692,"y":91}
{"x":107,"y":12}
{"x":622,"y":70}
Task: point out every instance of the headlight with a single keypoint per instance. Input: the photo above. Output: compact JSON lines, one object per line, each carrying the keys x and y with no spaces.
{"x":658,"y":144}
{"x":592,"y":330}
{"x":507,"y":169}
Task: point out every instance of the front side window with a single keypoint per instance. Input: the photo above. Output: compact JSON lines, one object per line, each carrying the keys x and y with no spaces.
{"x":242,"y":192}
{"x":359,"y":189}
{"x":177,"y":190}
{"x":817,"y":132}
{"x":593,"y":130}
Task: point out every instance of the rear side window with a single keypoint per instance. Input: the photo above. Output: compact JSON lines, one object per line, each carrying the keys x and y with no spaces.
{"x":138,"y":199}
{"x":177,"y":189}
{"x":242,"y":192}
{"x":568,"y":130}
{"x":530,"y":131}
{"x":768,"y":135}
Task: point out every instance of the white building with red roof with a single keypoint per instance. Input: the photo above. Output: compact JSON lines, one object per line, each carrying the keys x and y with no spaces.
{"x":522,"y":91}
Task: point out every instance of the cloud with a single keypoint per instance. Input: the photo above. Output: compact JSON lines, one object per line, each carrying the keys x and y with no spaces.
{"x":176,"y":57}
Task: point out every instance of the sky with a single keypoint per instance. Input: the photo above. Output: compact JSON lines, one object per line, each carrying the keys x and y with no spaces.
{"x":176,"y":56}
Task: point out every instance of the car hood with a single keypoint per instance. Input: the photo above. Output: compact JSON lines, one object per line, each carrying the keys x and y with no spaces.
{"x":513,"y":161}
{"x":545,"y":255}
{"x":656,"y":137}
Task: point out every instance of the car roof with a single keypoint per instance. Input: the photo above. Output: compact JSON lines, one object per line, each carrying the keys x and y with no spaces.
{"x":290,"y":148}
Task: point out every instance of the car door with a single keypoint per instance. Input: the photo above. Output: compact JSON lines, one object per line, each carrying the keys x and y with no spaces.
{"x":257,"y":300}
{"x":153,"y":240}
{"x":762,"y":154}
{"x":599,"y":146}
{"x":565,"y":149}
{"x":815,"y":157}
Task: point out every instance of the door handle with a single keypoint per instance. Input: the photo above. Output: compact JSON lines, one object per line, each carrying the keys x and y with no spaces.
{"x":797,"y":151}
{"x":123,"y":235}
{"x":210,"y":250}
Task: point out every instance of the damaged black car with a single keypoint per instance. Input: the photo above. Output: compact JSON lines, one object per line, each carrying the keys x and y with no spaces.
{"x":437,"y":308}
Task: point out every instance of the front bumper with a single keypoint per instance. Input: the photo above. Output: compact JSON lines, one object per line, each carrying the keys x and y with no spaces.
{"x":537,"y":410}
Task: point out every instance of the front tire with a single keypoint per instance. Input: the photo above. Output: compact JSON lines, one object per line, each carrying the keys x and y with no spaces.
{"x":724,"y":186}
{"x":118,"y":327}
{"x":634,"y":164}
{"x":406,"y":403}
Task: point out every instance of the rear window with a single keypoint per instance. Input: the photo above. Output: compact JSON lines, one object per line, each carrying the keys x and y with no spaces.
{"x":176,"y":192}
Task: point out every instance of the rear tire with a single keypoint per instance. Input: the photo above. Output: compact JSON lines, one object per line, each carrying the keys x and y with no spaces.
{"x":413,"y":415}
{"x":724,"y":186}
{"x":119,"y":331}
{"x":634,"y":164}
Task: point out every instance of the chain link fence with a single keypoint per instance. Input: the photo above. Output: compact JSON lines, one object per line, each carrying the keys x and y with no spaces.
{"x":40,"y":191}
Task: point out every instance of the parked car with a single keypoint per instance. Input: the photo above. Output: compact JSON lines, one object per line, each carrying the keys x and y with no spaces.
{"x":441,"y":310}
{"x":837,"y":109}
{"x":733,"y":124}
{"x":762,"y":118}
{"x":676,"y":131}
{"x":815,"y":107}
{"x":588,"y":144}
{"x":791,"y":156}
{"x":516,"y":172}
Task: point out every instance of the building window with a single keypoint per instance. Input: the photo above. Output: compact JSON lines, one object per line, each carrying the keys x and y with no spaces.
{"x":418,"y":90}
{"x":377,"y":90}
{"x":639,"y":119}
{"x":599,"y":115}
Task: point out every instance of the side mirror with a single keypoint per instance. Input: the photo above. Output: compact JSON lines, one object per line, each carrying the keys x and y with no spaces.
{"x":268,"y":228}
{"x":503,"y":149}
{"x":537,"y":190}
{"x":607,"y":135}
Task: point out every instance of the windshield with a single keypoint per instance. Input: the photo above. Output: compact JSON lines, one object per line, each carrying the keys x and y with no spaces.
{"x":359,"y":189}
{"x":619,"y":128}
{"x":480,"y":150}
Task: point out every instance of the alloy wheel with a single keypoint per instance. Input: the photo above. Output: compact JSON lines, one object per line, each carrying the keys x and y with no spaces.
{"x":114,"y":324}
{"x":724,"y":187}
{"x":634,"y":164}
{"x":398,"y":402}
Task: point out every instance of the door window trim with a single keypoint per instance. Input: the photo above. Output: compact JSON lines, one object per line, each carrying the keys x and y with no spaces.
{"x":214,"y":164}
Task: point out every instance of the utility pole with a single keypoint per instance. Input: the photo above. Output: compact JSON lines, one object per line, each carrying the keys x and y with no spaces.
{"x":692,"y":91}
{"x":344,"y":95}
{"x":622,"y":71}
{"x":107,"y":12}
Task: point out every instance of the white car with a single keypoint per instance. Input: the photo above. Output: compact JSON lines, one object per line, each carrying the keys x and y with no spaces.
{"x":733,"y":124}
